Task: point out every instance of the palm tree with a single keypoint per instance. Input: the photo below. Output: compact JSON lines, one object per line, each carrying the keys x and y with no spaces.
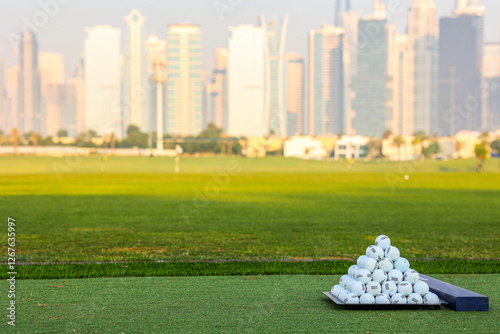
{"x":459,"y":145}
{"x":373,"y":145}
{"x":397,"y":142}
{"x":387,"y":133}
{"x":420,"y":137}
{"x":15,"y":139}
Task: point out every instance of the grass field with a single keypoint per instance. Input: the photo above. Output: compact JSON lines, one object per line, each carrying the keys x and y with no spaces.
{"x":238,"y":304}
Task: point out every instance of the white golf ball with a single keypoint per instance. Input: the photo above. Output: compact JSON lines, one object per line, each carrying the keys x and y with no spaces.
{"x":375,"y":252}
{"x":363,"y":275}
{"x":395,"y":276}
{"x":347,"y":283}
{"x":398,"y":298}
{"x":407,"y":177}
{"x":336,"y":290}
{"x":402,"y":264}
{"x":360,"y":260}
{"x":421,"y":288}
{"x":392,"y":253}
{"x":370,"y":264}
{"x":411,"y":276}
{"x":383,"y":298}
{"x":358,"y":288}
{"x":386,"y":264}
{"x":343,"y":279}
{"x":342,"y":294}
{"x":383,"y":241}
{"x":379,"y":276}
{"x":352,"y":270}
{"x":373,"y":288}
{"x":389,"y":288}
{"x":431,"y":299}
{"x":414,"y":298}
{"x":351,"y":298}
{"x":367,"y":298}
{"x":405,"y":288}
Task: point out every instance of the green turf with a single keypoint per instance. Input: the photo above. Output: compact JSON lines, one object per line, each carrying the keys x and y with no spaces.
{"x":254,"y":213}
{"x":242,"y":304}
{"x":237,"y":268}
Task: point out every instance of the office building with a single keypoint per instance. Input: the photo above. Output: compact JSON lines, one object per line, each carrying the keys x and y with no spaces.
{"x":217,"y":91}
{"x":491,"y":76}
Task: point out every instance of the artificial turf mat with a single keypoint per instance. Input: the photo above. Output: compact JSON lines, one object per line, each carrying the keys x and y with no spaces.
{"x":232,"y":304}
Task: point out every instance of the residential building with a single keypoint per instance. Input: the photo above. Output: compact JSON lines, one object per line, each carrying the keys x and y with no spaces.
{"x":296,"y":120}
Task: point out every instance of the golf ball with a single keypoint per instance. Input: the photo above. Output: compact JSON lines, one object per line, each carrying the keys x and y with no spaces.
{"x":370,"y":264}
{"x":389,"y":288}
{"x":379,"y":276}
{"x":358,"y":288}
{"x":383,"y":298}
{"x":386,"y":264}
{"x":421,"y":288}
{"x":407,"y":177}
{"x":414,"y":298}
{"x":383,"y":241}
{"x":360,"y":260}
{"x":395,"y":276}
{"x":375,"y":252}
{"x":363,"y":275}
{"x":367,"y":298}
{"x":342,"y":294}
{"x":336,"y":290}
{"x":431,"y":299}
{"x":405,"y":288}
{"x":411,"y":276}
{"x":398,"y":298}
{"x":352,"y":270}
{"x":343,"y":280}
{"x":402,"y":264}
{"x":351,"y":298}
{"x":392,"y":253}
{"x":373,"y":288}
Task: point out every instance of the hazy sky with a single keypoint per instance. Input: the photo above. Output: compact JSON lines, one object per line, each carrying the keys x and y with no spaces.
{"x":64,"y":32}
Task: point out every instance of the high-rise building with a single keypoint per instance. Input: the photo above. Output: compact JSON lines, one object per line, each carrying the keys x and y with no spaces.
{"x":423,"y":58}
{"x":135,"y":81}
{"x":295,"y":94}
{"x":13,"y":96}
{"x":184,"y":83}
{"x":102,"y":80}
{"x":491,"y":75}
{"x":217,"y":91}
{"x":246,"y":82}
{"x":156,"y":51}
{"x":28,"y":108}
{"x":51,"y":67}
{"x":326,"y":80}
{"x":274,"y":59}
{"x":372,"y":84}
{"x":73,"y":111}
{"x":460,"y":102}
{"x":4,"y":116}
{"x":402,"y":121}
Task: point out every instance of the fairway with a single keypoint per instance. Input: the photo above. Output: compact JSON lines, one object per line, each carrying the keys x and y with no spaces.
{"x":227,"y":209}
{"x":238,"y":304}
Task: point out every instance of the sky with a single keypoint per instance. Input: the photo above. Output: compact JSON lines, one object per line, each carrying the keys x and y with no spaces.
{"x":60,"y":23}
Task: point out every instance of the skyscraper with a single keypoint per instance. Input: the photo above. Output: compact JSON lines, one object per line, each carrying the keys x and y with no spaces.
{"x":51,"y":67}
{"x":491,"y":75}
{"x":423,"y":59}
{"x":135,"y":82}
{"x":184,"y":83}
{"x":217,"y":91}
{"x":373,"y":84}
{"x":3,"y":112}
{"x":460,"y":102}
{"x":102,"y":80}
{"x":157,"y":57}
{"x":28,"y":108}
{"x":401,"y":122}
{"x":73,"y":116}
{"x":326,"y":80}
{"x":246,"y":82}
{"x":274,"y":58}
{"x":13,"y":96}
{"x":295,"y":94}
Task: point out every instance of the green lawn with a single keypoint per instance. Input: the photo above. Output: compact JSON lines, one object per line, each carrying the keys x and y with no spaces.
{"x":222,"y":208}
{"x":238,"y":304}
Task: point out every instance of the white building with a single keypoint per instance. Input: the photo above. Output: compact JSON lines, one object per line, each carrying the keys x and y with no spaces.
{"x":246,"y":82}
{"x":351,"y":147}
{"x":51,"y":67}
{"x":102,"y":80}
{"x":304,"y":148}
{"x":135,"y":83}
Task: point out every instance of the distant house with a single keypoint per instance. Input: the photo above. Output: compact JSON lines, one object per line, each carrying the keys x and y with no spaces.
{"x":304,"y":148}
{"x":351,"y":147}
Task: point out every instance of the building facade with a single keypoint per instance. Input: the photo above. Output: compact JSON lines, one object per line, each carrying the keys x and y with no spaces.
{"x":296,"y":120}
{"x":51,"y":67}
{"x":326,"y":80}
{"x":184,"y":84}
{"x":217,"y":91}
{"x":103,"y":112}
{"x":275,"y":76}
{"x":491,"y":76}
{"x":246,"y":82}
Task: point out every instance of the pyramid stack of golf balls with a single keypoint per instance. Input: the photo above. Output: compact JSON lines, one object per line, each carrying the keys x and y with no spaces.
{"x":382,"y":276}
